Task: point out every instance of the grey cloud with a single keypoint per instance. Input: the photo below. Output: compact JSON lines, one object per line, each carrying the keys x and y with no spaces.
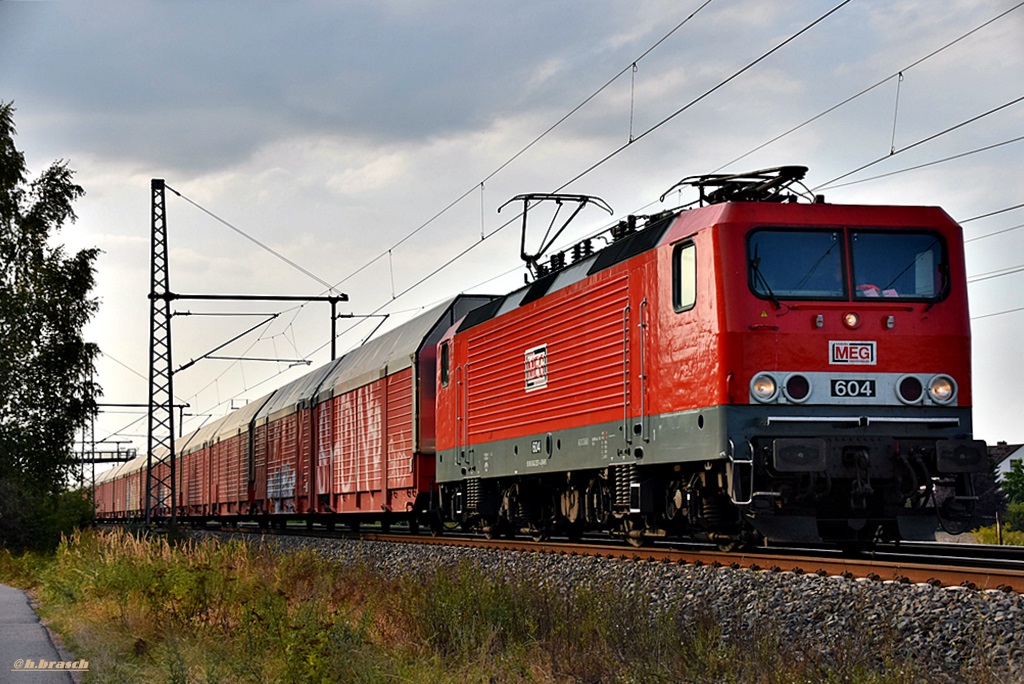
{"x":199,"y":86}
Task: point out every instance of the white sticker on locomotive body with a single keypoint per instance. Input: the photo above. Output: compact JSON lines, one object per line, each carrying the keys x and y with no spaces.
{"x":852,"y":353}
{"x":536,"y":368}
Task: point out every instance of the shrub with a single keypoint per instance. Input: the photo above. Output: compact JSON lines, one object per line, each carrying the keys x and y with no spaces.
{"x":1014,"y":517}
{"x":989,"y":535}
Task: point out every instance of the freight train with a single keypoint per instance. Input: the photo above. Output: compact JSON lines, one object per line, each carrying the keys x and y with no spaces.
{"x":749,"y":367}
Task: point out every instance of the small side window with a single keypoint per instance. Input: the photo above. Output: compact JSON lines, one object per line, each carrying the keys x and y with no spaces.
{"x":684,"y":277}
{"x":444,"y":364}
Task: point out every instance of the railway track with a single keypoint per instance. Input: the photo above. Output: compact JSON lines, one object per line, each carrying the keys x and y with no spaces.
{"x":976,"y":567}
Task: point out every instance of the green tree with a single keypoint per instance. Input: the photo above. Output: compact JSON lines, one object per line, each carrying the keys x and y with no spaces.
{"x":1012,"y":482}
{"x":46,"y":367}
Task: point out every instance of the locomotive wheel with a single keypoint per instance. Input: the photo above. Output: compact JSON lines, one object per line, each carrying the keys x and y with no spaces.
{"x":631,"y":529}
{"x":491,"y":528}
{"x":955,"y":517}
{"x":954,"y":525}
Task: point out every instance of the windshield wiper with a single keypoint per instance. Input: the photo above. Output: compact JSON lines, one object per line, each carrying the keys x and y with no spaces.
{"x":944,"y":270}
{"x":761,"y":281}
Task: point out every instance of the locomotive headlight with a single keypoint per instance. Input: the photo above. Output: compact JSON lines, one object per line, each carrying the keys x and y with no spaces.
{"x":909,"y":389}
{"x":797,"y":388}
{"x":942,"y":389}
{"x":851,"y":320}
{"x":763,"y":387}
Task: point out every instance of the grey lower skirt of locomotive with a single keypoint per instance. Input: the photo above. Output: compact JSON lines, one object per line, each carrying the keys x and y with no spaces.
{"x":790,"y":487}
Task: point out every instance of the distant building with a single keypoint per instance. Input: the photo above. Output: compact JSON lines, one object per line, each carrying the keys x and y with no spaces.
{"x":1003,"y":455}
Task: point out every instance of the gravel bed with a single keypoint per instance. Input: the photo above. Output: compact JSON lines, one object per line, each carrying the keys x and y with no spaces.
{"x":946,"y":628}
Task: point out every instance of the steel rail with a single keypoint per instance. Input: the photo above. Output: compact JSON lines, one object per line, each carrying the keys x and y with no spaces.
{"x":906,"y":568}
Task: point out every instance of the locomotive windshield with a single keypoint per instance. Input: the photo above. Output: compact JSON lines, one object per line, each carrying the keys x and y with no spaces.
{"x":900,"y":265}
{"x":790,"y":264}
{"x":819,"y":264}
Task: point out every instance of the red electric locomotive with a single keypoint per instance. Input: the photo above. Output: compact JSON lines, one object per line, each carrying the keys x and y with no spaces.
{"x":755,"y":366}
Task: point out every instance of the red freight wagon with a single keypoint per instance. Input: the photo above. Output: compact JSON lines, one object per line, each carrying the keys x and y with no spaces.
{"x":374,"y":432}
{"x":283,"y":430}
{"x":193,"y":462}
{"x":234,"y":471}
{"x":107,"y":482}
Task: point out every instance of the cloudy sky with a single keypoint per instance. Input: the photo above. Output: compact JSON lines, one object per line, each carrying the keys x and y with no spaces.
{"x":370,"y":143}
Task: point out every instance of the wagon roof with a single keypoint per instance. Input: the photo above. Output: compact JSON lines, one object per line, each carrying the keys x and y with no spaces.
{"x":296,"y":393}
{"x":112,"y":472}
{"x":238,"y":421}
{"x":196,"y":439}
{"x":396,"y":349}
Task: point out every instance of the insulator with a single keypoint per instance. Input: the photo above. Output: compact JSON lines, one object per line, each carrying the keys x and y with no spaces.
{"x":620,"y":230}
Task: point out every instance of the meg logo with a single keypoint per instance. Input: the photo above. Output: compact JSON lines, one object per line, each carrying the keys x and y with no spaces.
{"x":851,"y":353}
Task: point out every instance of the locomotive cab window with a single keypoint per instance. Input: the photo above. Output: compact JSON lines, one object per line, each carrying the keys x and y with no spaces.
{"x":796,"y":264}
{"x":898,"y":265}
{"x":684,"y":277}
{"x":445,"y":354}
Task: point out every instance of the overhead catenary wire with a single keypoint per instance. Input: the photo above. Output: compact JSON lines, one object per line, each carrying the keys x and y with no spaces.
{"x":826,"y":185}
{"x":997,"y":313}
{"x":993,"y":213}
{"x":999,"y":273}
{"x":993,"y":234}
{"x":935,"y":162}
{"x":252,"y":239}
{"x":868,"y":89}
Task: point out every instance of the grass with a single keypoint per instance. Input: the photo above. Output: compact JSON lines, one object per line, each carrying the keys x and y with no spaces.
{"x":145,"y":609}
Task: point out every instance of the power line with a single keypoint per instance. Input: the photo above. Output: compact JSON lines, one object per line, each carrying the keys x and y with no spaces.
{"x":614,"y":153}
{"x":827,"y":184}
{"x":991,"y":315}
{"x":998,"y":273}
{"x":252,"y":239}
{"x":993,"y":213}
{"x":931,"y":163}
{"x":998,"y":313}
{"x":988,"y":235}
{"x":872,"y":87}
